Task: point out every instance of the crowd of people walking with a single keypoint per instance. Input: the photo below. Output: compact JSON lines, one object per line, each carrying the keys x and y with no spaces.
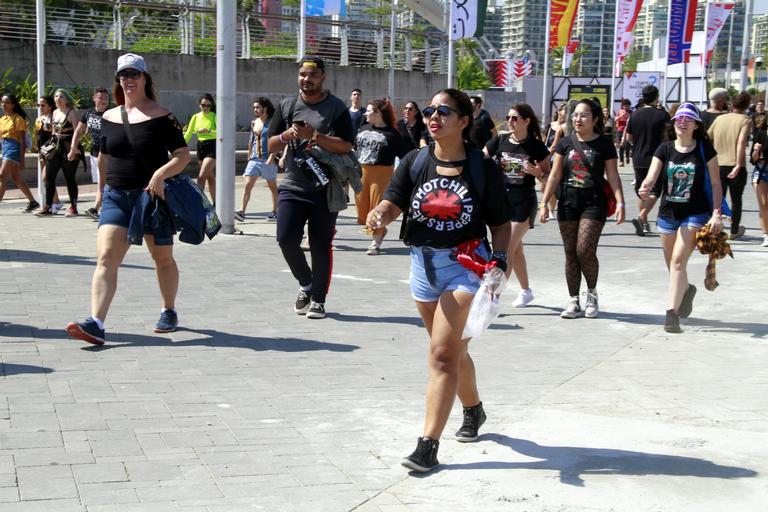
{"x":446,"y":168}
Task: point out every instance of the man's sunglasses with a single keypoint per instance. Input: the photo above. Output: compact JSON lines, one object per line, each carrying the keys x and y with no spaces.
{"x":129,"y":73}
{"x":442,"y":111}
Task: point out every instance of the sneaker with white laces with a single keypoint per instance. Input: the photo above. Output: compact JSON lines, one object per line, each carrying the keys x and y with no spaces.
{"x":765,"y":240}
{"x":523,"y":298}
{"x":373,"y":249}
{"x":240,"y":216}
{"x":31,"y":206}
{"x":572,"y":309}
{"x":272,"y":216}
{"x":591,"y":310}
{"x":316,"y":310}
{"x":302,"y":304}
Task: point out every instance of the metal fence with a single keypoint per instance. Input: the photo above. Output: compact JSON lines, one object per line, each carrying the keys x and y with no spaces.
{"x":147,"y":27}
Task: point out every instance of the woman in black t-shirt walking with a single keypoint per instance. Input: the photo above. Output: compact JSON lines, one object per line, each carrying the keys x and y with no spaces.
{"x":127,"y":171}
{"x":686,"y":206}
{"x":522,"y":157}
{"x":582,"y":205}
{"x":450,"y":193}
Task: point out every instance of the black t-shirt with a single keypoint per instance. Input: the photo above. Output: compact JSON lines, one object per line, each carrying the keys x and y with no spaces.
{"x":379,"y":146}
{"x":510,"y":157}
{"x":598,"y":151}
{"x":647,"y":127}
{"x":444,"y":211}
{"x":329,"y":116}
{"x":92,"y":120}
{"x":412,"y":134}
{"x":707,"y":118}
{"x":761,"y":137}
{"x":154,"y":139}
{"x":357,"y":118}
{"x":481,"y":131}
{"x":682,"y":176}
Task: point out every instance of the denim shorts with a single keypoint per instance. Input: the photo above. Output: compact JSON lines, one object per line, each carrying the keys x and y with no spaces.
{"x":117,"y":208}
{"x":434,"y":272}
{"x":259,"y":168}
{"x":12,"y":150}
{"x":760,"y":174}
{"x":667,"y":226}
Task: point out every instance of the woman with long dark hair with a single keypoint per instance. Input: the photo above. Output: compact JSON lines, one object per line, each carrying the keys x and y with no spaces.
{"x":260,"y":162}
{"x":378,"y":144}
{"x":411,"y":127}
{"x":129,"y":167}
{"x":203,"y":126}
{"x":64,"y":121}
{"x":522,"y":157}
{"x":683,"y":165}
{"x":584,"y":161}
{"x":450,"y":194}
{"x":13,"y":132}
{"x":43,"y":133}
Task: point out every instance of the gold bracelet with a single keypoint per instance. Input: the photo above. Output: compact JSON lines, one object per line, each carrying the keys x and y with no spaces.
{"x":543,"y":205}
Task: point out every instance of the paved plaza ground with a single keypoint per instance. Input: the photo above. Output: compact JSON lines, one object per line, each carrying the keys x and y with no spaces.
{"x":251,"y":407}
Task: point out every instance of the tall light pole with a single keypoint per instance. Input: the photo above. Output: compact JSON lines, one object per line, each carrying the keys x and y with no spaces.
{"x":225,"y":114}
{"x":40,"y":27}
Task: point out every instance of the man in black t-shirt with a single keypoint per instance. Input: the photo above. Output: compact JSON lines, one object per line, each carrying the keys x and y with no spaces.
{"x":91,"y":122}
{"x":313,"y":118}
{"x":483,"y":128}
{"x":645,"y":129}
{"x":718,"y":105}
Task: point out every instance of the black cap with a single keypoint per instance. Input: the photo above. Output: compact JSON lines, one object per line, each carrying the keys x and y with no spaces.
{"x":309,"y":61}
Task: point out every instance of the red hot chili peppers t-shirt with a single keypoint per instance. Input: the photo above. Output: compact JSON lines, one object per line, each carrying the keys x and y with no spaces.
{"x":444,"y":211}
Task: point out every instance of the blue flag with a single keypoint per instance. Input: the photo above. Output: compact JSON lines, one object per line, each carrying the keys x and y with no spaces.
{"x":325,"y":7}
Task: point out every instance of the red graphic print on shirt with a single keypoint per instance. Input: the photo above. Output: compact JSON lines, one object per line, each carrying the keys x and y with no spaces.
{"x":443,"y":204}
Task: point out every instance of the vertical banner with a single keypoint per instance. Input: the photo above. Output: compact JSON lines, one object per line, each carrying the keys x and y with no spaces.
{"x":467,"y":18}
{"x":505,"y":72}
{"x":568,"y":53}
{"x":626,"y":17}
{"x":717,"y":14}
{"x":326,"y":7}
{"x":682,"y":16}
{"x":561,"y":17}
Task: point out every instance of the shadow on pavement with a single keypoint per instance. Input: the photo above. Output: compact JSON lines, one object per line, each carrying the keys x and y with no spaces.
{"x":217,"y":339}
{"x":405,"y":320}
{"x":7,"y":369}
{"x":572,"y":462}
{"x":59,"y":259}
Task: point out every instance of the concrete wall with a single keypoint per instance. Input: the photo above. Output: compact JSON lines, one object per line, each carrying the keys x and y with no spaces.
{"x":180,"y":79}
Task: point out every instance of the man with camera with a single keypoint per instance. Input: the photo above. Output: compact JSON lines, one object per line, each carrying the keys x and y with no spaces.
{"x":313,"y":117}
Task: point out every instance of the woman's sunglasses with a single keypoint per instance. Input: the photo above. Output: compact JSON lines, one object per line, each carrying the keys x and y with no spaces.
{"x":206,"y":105}
{"x":129,"y":73}
{"x":442,"y":111}
{"x":513,"y":119}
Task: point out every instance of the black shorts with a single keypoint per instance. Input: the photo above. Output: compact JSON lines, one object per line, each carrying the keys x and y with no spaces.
{"x":206,"y":149}
{"x":640,"y":174}
{"x":582,"y":203}
{"x":522,"y":201}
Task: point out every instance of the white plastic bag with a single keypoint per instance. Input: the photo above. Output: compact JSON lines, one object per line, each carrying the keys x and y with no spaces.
{"x":486,"y":305}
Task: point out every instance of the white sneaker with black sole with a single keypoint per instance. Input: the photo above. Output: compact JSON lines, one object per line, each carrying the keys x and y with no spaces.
{"x":316,"y":310}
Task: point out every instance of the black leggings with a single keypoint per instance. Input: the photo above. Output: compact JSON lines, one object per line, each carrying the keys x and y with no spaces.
{"x":52,"y":166}
{"x":736,"y":188}
{"x":297,"y":209}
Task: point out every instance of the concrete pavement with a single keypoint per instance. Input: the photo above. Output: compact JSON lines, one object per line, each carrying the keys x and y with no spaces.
{"x":251,"y":407}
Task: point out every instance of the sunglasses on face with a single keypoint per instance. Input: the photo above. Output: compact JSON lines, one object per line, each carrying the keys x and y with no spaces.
{"x":514,"y":119}
{"x":129,"y":73}
{"x":442,"y":111}
{"x":205,"y":104}
{"x":684,"y":120}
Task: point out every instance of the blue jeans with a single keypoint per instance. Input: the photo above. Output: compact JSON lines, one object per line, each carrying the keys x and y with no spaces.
{"x":434,"y":272}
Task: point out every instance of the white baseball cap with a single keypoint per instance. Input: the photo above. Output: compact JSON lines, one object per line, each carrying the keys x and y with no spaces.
{"x":131,"y":61}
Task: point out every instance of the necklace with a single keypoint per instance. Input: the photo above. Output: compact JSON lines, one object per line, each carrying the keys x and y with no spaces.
{"x":514,"y":140}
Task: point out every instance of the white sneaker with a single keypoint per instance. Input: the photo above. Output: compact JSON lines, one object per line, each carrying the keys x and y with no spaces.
{"x":765,"y":240}
{"x":373,"y":249}
{"x":55,"y":207}
{"x":591,"y":309}
{"x":572,"y":309}
{"x":523,"y":298}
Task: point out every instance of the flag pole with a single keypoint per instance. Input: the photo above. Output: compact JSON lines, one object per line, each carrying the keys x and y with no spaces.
{"x":615,"y":67}
{"x":544,"y":94}
{"x":451,"y":61}
{"x":704,"y":54}
{"x":40,"y":54}
{"x":666,"y":53}
{"x":302,"y":28}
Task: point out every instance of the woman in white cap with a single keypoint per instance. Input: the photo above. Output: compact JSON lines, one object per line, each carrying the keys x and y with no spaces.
{"x":686,"y":205}
{"x":130,"y":164}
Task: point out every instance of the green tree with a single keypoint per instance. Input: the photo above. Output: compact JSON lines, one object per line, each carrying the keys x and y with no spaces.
{"x":556,"y":59}
{"x":470,"y":73}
